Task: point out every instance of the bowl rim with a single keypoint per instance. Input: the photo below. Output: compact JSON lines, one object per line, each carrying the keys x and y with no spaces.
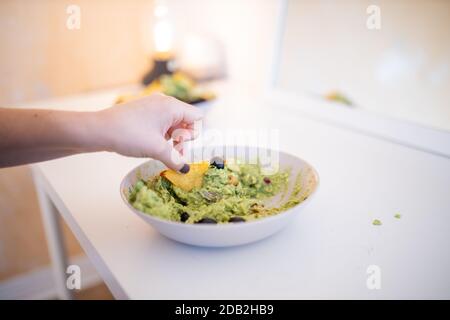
{"x":289,"y":211}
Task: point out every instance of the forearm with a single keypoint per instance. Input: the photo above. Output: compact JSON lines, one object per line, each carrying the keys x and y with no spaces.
{"x":35,"y":135}
{"x":139,"y":128}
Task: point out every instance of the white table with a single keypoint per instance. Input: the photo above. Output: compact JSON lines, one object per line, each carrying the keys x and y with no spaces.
{"x":325,"y":253}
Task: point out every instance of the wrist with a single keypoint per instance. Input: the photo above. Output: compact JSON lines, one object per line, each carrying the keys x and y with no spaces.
{"x":98,"y":135}
{"x":88,"y":132}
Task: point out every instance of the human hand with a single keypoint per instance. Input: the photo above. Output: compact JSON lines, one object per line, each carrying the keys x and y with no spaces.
{"x":144,"y":127}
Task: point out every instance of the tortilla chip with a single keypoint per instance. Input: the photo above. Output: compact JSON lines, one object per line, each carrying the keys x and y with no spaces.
{"x":192,"y":179}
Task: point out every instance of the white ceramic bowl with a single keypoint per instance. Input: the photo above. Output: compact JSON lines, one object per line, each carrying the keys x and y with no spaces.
{"x":231,"y":234}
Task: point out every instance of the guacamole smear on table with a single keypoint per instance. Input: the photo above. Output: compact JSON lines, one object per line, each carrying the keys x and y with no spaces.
{"x":228,"y":192}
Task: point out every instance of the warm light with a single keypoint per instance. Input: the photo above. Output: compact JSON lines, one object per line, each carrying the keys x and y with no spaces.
{"x":163,"y":35}
{"x":163,"y":30}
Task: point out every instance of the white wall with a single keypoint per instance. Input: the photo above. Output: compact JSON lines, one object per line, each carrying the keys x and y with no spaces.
{"x":401,"y":70}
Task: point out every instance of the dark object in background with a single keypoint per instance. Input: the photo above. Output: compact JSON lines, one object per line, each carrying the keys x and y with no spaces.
{"x":177,"y":85}
{"x":160,"y":67}
{"x":217,"y":162}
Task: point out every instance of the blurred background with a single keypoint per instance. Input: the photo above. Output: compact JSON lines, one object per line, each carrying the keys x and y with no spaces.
{"x":397,"y":66}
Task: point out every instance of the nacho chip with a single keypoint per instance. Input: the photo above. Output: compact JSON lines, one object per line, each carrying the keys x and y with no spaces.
{"x":192,"y":179}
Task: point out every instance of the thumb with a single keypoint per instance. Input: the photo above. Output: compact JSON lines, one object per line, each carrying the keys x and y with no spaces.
{"x":191,"y":113}
{"x":171,"y":157}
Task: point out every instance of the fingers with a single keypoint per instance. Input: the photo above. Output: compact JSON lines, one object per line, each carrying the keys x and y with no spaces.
{"x":189,"y":113}
{"x":171,"y":157}
{"x":188,"y":131}
{"x":182,"y":134}
{"x":184,"y":112}
{"x":178,"y":145}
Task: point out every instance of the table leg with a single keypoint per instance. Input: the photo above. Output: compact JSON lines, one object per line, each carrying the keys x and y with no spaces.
{"x":55,"y":241}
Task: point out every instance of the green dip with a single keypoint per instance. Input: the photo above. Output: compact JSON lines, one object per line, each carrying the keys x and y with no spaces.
{"x":235,"y":192}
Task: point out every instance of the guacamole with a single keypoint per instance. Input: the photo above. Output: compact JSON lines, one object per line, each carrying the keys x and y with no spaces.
{"x":230,"y":192}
